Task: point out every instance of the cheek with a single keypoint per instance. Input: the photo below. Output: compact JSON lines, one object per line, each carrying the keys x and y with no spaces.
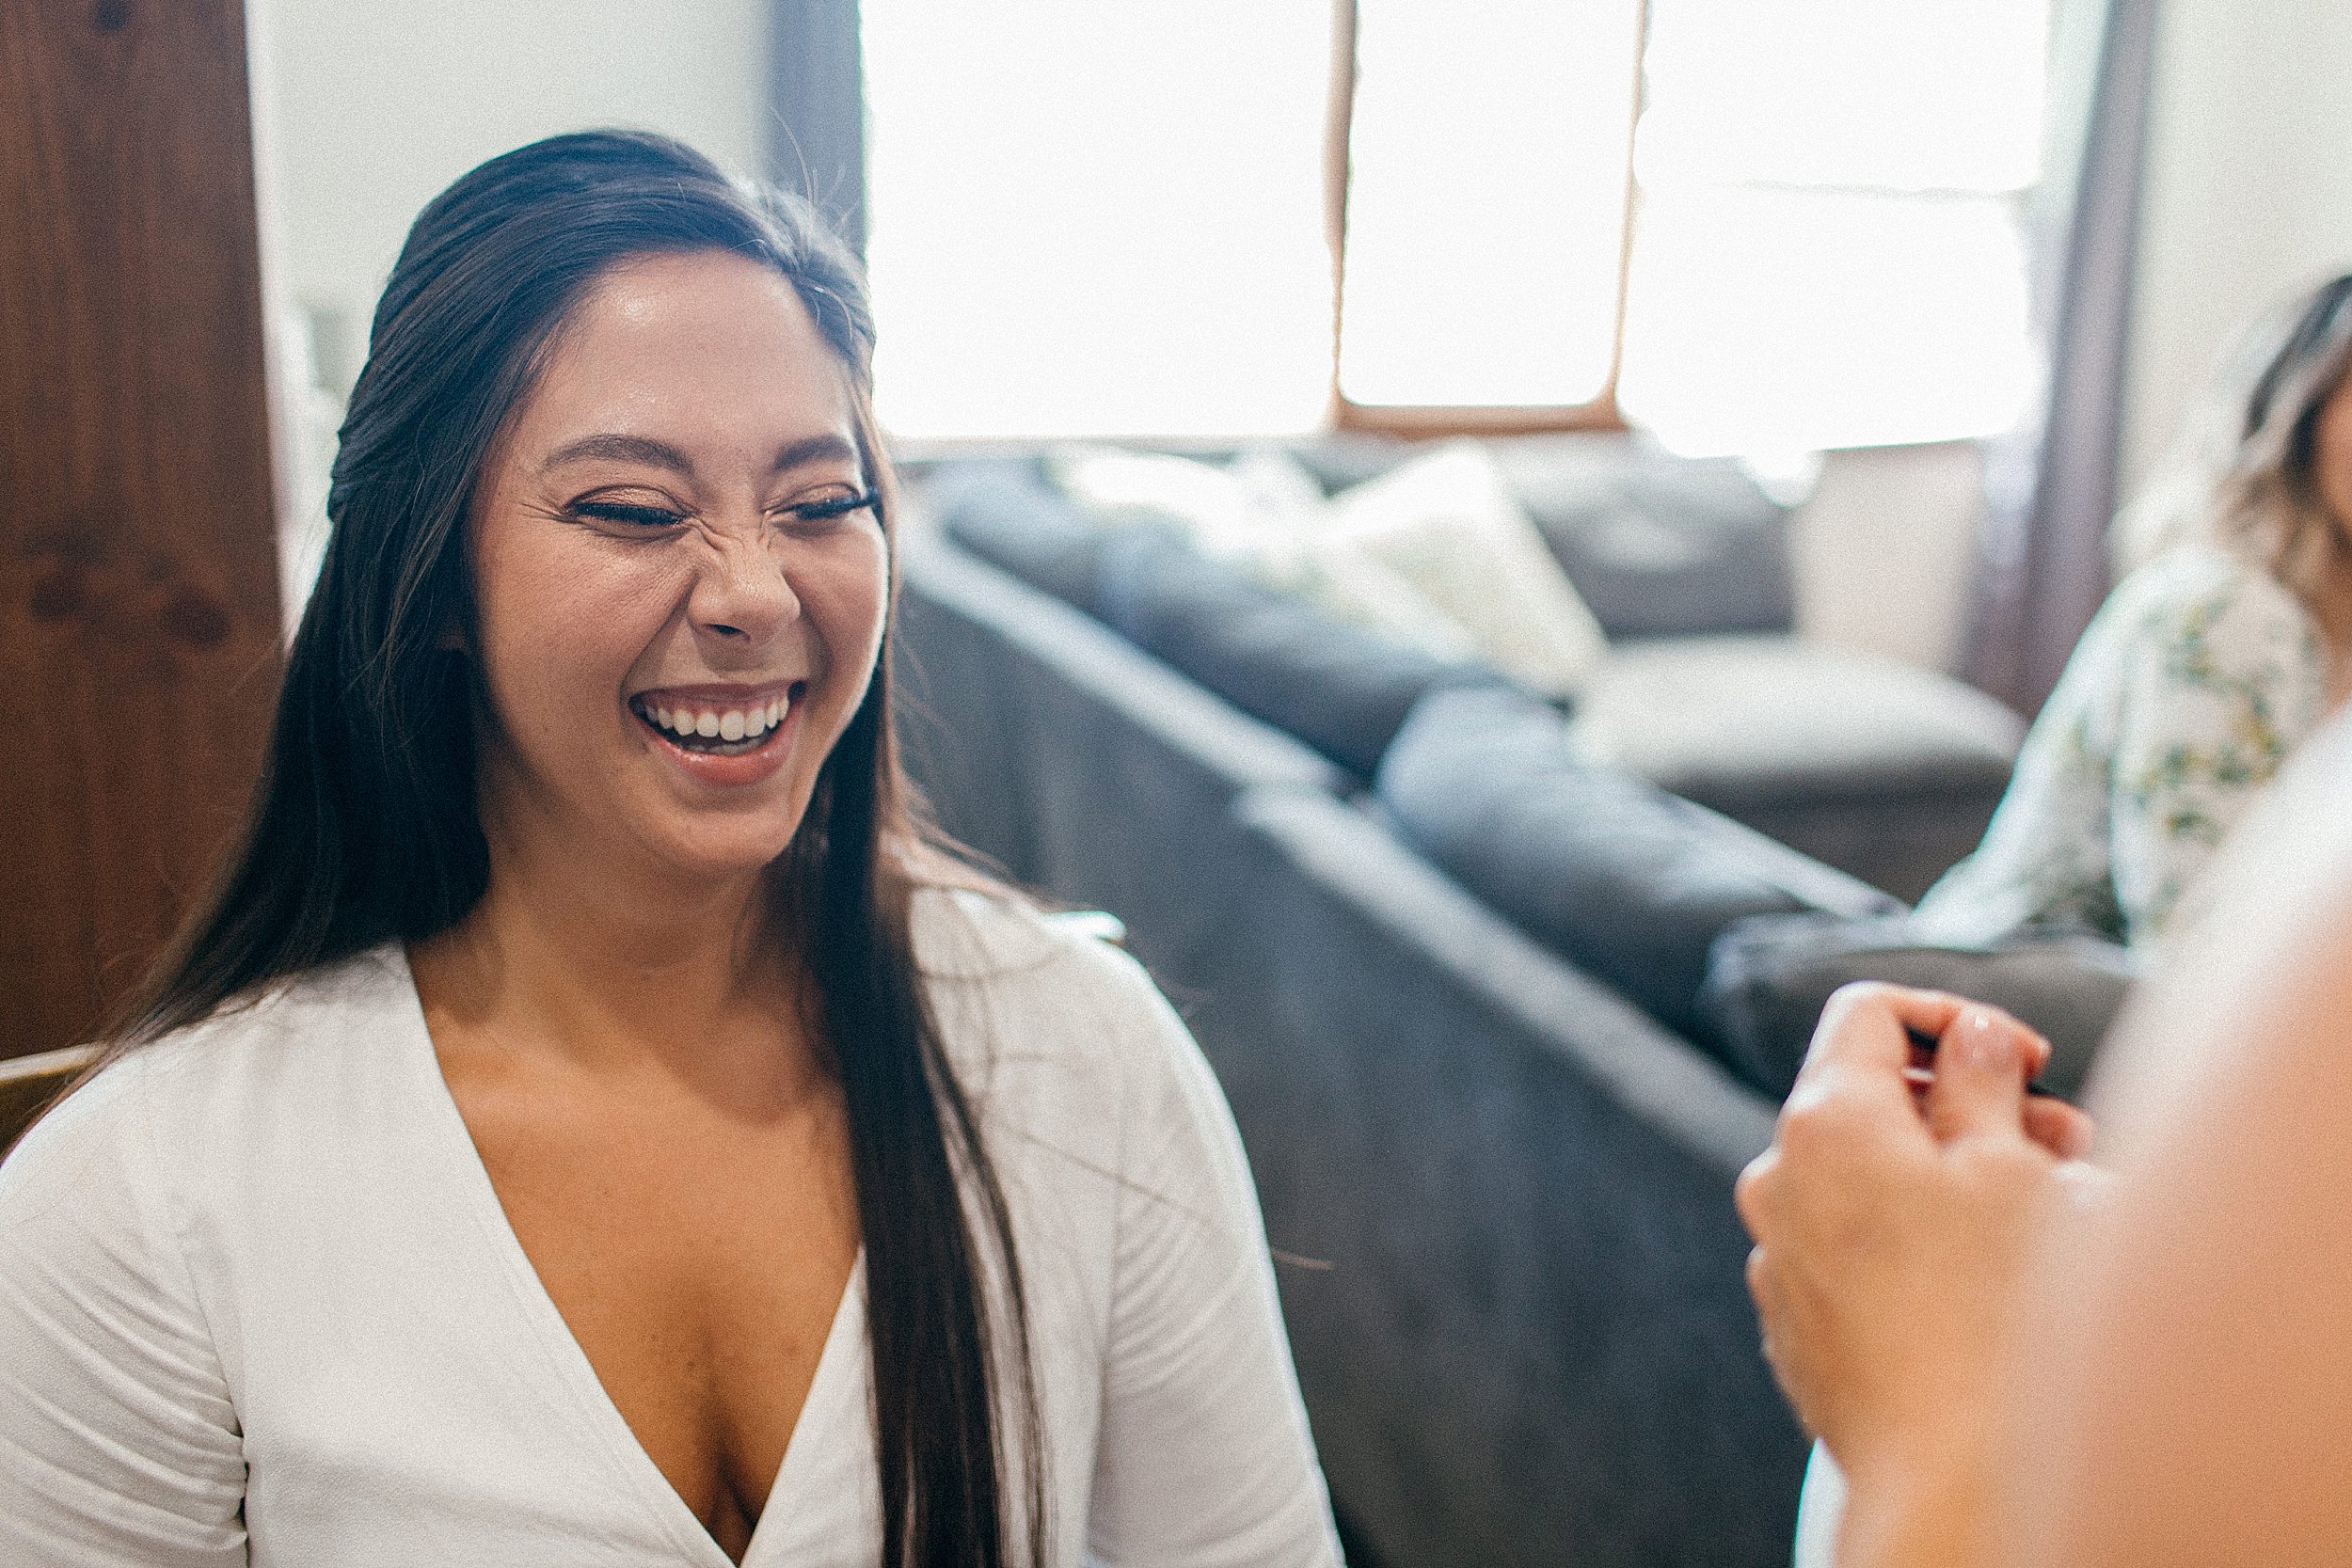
{"x":552,"y":619}
{"x":2333,"y":455}
{"x":847,"y":605}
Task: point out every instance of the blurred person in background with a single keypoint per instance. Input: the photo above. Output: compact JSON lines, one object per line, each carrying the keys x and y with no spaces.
{"x":2208,"y":665}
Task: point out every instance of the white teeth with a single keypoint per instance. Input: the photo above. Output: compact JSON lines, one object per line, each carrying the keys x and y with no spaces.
{"x":733,"y":724}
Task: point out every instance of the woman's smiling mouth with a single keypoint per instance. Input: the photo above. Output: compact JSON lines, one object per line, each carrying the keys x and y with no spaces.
{"x":716,"y":726}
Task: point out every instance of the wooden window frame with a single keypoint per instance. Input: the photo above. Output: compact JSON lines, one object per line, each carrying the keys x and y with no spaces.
{"x":1429,"y":421}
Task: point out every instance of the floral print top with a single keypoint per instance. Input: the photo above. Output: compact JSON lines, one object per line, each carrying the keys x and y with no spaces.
{"x":2198,"y":677}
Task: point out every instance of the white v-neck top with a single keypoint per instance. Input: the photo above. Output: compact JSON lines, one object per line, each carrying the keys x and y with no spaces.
{"x":259,"y":1303}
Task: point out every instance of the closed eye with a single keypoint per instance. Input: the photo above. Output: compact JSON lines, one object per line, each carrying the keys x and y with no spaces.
{"x":628,"y":513}
{"x":831,"y":507}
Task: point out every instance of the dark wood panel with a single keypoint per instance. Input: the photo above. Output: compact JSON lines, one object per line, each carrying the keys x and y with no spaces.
{"x":139,"y":599}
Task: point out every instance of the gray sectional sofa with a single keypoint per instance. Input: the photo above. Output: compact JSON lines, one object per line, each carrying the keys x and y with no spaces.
{"x":1446,"y":968}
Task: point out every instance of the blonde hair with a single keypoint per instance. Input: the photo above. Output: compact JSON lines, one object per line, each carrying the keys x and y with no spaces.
{"x":2244,"y":474}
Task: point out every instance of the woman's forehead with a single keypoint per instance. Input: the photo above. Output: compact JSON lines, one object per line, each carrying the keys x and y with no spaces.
{"x":702,"y":349}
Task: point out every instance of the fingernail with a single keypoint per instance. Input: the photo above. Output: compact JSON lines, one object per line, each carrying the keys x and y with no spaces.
{"x":1983,"y":1043}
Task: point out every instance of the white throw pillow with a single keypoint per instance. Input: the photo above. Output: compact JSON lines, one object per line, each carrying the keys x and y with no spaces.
{"x":1448,"y":524}
{"x":1348,"y":585}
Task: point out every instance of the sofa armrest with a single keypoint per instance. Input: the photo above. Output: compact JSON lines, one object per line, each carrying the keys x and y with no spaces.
{"x":1528,"y":1337}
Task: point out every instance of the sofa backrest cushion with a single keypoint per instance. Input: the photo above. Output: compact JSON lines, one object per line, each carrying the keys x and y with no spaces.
{"x":1623,"y":880}
{"x":1656,"y":546}
{"x":1005,"y":511}
{"x":1039,"y":734}
{"x":1659,"y":545}
{"x":1342,"y":691}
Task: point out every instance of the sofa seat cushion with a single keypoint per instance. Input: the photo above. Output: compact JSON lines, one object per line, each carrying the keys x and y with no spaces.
{"x":1733,"y":719}
{"x":1342,"y":689}
{"x":1770,"y":977}
{"x":1621,"y":877}
{"x":1888,"y":771}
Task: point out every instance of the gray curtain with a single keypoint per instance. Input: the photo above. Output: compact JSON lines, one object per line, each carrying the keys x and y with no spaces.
{"x":817,"y":108}
{"x":2050,"y":489}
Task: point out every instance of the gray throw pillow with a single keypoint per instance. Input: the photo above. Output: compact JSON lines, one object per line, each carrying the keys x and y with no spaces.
{"x":1342,"y":689}
{"x":1659,"y":545}
{"x":1770,"y":975}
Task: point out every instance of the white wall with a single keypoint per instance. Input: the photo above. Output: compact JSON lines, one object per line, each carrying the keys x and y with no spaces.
{"x":2249,"y":194}
{"x":1883,"y":549}
{"x":366,"y":109}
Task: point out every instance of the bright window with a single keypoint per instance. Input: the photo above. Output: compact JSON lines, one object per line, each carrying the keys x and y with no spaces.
{"x":1827,"y":249}
{"x":1096,"y":218}
{"x":1485,"y":204}
{"x":1099,"y":217}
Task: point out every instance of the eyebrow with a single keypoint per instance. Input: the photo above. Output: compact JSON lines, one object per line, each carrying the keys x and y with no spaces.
{"x":620,"y":449}
{"x":660,"y":455}
{"x":814,"y":449}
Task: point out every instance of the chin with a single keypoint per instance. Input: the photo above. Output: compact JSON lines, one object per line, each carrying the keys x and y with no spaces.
{"x":727,"y":849}
{"x":723,"y":860}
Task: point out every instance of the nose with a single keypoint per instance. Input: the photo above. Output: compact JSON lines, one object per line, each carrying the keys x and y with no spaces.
{"x":743,"y":593}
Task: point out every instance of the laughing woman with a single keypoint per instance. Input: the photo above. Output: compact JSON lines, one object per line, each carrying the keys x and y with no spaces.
{"x":588,"y":1125}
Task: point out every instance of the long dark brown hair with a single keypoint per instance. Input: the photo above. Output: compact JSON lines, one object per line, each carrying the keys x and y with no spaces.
{"x":365,"y":830}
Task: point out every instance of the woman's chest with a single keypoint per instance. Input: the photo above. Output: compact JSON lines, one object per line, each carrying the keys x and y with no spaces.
{"x":398,"y":1332}
{"x":698,"y":1263}
{"x":430,"y":1366}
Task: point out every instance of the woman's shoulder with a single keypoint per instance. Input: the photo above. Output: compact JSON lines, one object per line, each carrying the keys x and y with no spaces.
{"x":968,"y":938}
{"x":217,"y":1082}
{"x":2201,"y":589}
{"x":2203,"y":638}
{"x":1051,"y":997}
{"x":1002,"y":948}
